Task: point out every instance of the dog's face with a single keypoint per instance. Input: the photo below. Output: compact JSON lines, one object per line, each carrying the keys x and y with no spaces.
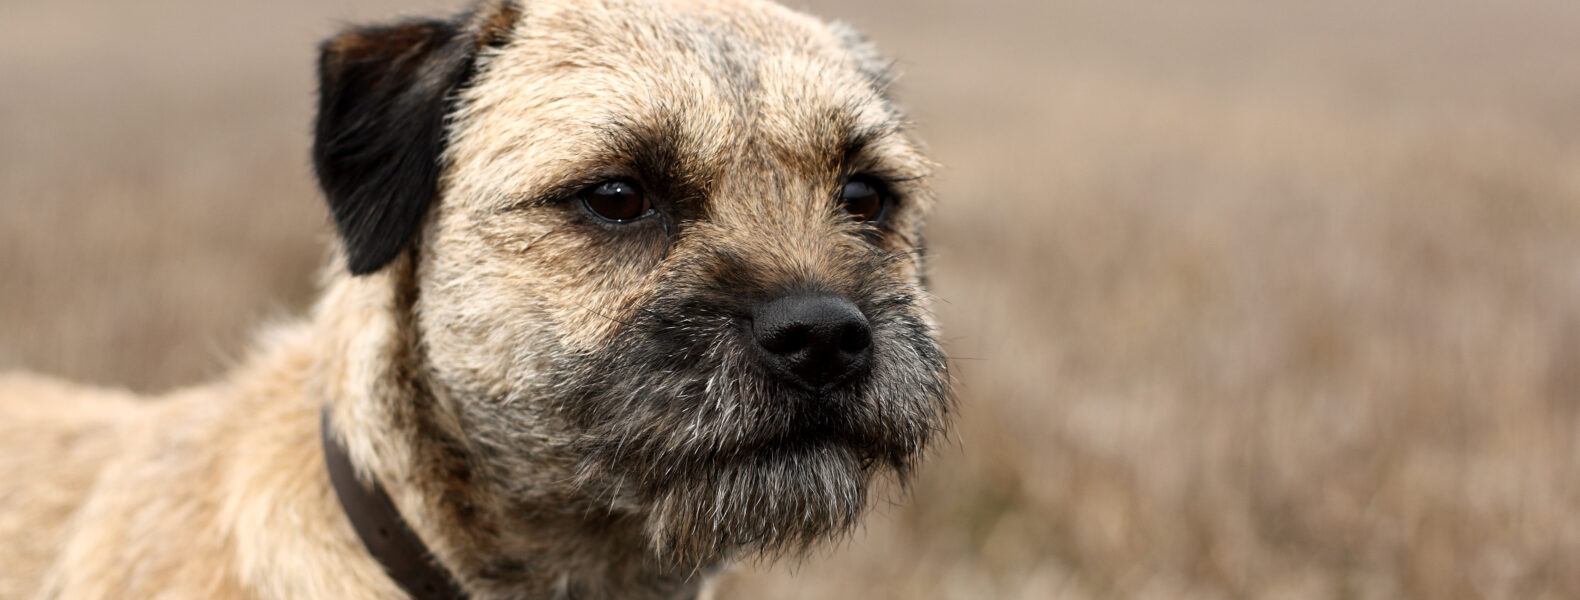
{"x":671,"y":248}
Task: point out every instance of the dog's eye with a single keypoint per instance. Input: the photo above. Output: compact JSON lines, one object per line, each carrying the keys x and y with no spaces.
{"x":617,"y":201}
{"x":862,"y":200}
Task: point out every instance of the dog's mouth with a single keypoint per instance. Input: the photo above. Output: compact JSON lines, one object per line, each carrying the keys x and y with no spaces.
{"x":817,"y":425}
{"x":696,"y":430}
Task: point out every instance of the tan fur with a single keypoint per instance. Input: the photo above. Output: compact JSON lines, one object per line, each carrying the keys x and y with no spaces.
{"x":212,"y":492}
{"x":220,"y":491}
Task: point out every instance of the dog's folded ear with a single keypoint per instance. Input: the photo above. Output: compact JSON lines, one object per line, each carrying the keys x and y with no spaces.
{"x":384,"y":93}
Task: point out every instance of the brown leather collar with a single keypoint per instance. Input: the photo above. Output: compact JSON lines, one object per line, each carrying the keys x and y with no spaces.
{"x":385,"y":534}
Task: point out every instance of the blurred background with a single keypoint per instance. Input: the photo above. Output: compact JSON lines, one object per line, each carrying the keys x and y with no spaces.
{"x":1247,"y":298}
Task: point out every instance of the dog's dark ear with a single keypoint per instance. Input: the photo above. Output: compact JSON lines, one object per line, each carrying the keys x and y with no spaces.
{"x":384,"y":93}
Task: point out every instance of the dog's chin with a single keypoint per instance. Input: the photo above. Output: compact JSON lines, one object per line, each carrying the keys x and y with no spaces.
{"x":766,"y":475}
{"x":771,"y":484}
{"x":775,"y":499}
{"x":723,"y":459}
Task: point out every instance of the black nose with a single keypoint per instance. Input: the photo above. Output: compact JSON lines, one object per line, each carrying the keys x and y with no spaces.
{"x":816,"y":340}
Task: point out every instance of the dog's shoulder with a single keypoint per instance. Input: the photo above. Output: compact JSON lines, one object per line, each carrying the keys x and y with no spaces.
{"x":55,"y":439}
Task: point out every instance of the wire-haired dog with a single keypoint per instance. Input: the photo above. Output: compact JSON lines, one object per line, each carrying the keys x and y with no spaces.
{"x":630,"y":289}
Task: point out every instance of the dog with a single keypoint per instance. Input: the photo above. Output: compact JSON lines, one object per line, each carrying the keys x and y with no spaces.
{"x":624,"y":291}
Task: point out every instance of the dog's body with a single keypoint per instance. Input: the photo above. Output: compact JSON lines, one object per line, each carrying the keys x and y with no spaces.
{"x":631,"y":289}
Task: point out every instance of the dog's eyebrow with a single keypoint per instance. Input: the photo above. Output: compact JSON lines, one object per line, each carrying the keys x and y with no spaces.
{"x":649,"y":149}
{"x":870,"y":149}
{"x":860,"y":139}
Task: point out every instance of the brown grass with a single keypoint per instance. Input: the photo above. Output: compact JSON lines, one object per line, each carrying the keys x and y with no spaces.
{"x":1248,"y":299}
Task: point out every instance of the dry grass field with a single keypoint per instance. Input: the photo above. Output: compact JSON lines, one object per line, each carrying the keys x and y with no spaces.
{"x":1248,"y":299}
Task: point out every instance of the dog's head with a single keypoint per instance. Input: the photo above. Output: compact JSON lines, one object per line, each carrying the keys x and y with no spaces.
{"x":672,"y":248}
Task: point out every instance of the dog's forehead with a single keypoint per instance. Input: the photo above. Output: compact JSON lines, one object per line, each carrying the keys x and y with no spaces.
{"x":719,"y":81}
{"x":736,"y":43}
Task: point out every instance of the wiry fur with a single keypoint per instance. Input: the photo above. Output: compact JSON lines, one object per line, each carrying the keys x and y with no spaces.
{"x":558,"y":406}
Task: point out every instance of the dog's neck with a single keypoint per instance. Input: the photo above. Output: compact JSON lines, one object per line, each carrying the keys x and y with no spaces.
{"x":399,"y":431}
{"x":382,"y":529}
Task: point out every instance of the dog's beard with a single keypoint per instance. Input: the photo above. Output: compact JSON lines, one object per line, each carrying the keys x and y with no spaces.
{"x":728,"y":460}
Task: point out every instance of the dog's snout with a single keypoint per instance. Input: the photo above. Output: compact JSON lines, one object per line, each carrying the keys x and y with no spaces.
{"x":816,"y":340}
